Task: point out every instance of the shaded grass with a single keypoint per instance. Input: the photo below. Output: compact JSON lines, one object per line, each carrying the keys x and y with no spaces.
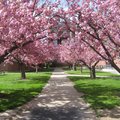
{"x":15,"y":92}
{"x":101,"y":93}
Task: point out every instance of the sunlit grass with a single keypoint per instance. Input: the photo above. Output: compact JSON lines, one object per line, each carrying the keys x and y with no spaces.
{"x":101,"y":93}
{"x":15,"y":92}
{"x":87,"y":72}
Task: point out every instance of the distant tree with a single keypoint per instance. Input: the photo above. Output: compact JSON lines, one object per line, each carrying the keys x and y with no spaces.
{"x":74,"y":52}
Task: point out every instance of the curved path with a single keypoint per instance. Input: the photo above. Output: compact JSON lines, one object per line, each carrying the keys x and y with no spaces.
{"x":58,"y":101}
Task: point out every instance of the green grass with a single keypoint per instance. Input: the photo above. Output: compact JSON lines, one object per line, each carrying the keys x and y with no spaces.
{"x":15,"y":92}
{"x":101,"y":93}
{"x":87,"y":72}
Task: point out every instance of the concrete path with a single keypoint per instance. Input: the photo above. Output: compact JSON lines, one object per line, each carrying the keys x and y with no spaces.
{"x":112,"y":70}
{"x":58,"y":101}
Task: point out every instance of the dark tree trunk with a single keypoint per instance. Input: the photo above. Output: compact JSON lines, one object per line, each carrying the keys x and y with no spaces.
{"x":113,"y":64}
{"x":75,"y":67}
{"x":69,"y":66}
{"x":22,"y":70}
{"x":92,"y":72}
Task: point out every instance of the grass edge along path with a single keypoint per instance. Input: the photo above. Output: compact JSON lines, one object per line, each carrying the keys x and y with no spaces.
{"x":15,"y":92}
{"x":101,"y":93}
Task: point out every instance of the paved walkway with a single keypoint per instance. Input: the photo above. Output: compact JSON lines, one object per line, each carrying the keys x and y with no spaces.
{"x":58,"y":101}
{"x":112,"y":70}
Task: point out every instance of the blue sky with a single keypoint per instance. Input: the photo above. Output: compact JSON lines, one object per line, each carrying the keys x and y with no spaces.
{"x":63,"y":2}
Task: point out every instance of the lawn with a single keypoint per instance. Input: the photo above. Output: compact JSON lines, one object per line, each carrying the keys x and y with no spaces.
{"x":87,"y":72}
{"x":15,"y":92}
{"x":101,"y":93}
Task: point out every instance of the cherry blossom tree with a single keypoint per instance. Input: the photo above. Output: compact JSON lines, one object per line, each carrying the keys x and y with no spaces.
{"x":76,"y":51}
{"x":97,"y":23}
{"x":93,"y":24}
{"x":32,"y":55}
{"x":21,"y":23}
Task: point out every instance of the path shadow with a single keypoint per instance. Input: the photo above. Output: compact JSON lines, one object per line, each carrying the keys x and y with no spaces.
{"x":55,"y":114}
{"x":62,"y":106}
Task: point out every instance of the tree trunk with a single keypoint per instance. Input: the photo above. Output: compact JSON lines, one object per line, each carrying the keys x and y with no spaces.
{"x":92,"y":72}
{"x":22,"y":70}
{"x":45,"y":65}
{"x":113,"y":64}
{"x":48,"y":65}
{"x":81,"y":69}
{"x":69,"y":66}
{"x":74,"y":67}
{"x":36,"y":68}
